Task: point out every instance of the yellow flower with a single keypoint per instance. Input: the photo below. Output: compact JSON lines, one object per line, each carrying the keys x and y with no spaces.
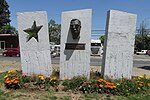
{"x":118,"y":84}
{"x":141,"y":77}
{"x":138,"y":81}
{"x":114,"y":86}
{"x":55,"y":78}
{"x":41,"y":77}
{"x":138,"y":88}
{"x":5,"y":76}
{"x":12,"y":71}
{"x":101,"y":85}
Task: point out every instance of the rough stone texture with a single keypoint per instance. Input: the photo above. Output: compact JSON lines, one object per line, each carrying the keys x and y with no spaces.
{"x":35,"y":56}
{"x":75,"y":62}
{"x":119,"y":45}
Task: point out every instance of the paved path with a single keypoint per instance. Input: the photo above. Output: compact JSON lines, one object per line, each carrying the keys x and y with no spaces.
{"x":141,"y":66}
{"x":13,"y":65}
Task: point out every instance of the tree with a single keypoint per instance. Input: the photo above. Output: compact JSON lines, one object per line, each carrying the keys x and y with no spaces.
{"x":54,"y":31}
{"x":102,"y":39}
{"x":5,"y":27}
{"x":142,"y":39}
{"x":8,"y":30}
{"x":4,"y":13}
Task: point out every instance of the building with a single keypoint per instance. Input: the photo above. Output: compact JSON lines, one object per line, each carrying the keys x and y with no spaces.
{"x":8,"y":41}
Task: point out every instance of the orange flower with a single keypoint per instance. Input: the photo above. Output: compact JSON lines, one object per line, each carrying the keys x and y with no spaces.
{"x":8,"y":81}
{"x":108,"y":83}
{"x":16,"y":82}
{"x":65,"y":78}
{"x":106,"y":86}
{"x":100,"y":85}
{"x":114,"y":86}
{"x":104,"y":81}
{"x":148,"y":84}
{"x":140,"y":84}
{"x":100,"y":80}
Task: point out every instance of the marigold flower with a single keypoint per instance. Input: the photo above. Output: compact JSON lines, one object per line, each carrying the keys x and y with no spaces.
{"x":138,"y":81}
{"x":108,"y":83}
{"x":5,"y":76}
{"x":140,"y":84}
{"x":55,"y":78}
{"x":114,"y":86}
{"x":41,"y":77}
{"x":12,"y":71}
{"x":100,"y":80}
{"x":8,"y":81}
{"x":148,"y":84}
{"x":138,"y":88}
{"x":100,"y":85}
{"x":141,"y":77}
{"x":16,"y":81}
{"x":107,"y":86}
{"x":65,"y":78}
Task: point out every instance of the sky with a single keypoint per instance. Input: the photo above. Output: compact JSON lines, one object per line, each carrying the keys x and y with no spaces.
{"x":99,"y":8}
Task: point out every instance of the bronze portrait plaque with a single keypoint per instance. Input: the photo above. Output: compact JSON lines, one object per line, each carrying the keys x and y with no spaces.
{"x":75,"y":27}
{"x":75,"y":46}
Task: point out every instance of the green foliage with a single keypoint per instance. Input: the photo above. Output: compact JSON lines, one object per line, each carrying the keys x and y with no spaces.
{"x":102,"y":39}
{"x":2,"y":77}
{"x":73,"y":84}
{"x":8,"y":30}
{"x":4,"y":13}
{"x":54,"y":31}
{"x":123,"y":87}
{"x":142,"y":39}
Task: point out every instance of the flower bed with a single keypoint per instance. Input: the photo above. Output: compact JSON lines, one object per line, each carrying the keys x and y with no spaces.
{"x":14,"y":79}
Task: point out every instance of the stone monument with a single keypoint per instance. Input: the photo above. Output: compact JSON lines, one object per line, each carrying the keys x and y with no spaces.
{"x":75,"y":43}
{"x":34,"y":43}
{"x":119,"y":45}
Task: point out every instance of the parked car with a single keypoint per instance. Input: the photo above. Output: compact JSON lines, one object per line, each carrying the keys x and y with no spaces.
{"x":148,"y":52}
{"x":142,"y":52}
{"x":12,"y":52}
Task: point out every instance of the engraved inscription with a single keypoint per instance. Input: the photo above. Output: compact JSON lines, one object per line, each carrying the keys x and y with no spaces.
{"x":75,"y":46}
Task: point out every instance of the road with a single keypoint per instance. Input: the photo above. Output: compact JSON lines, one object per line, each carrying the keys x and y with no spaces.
{"x":139,"y":60}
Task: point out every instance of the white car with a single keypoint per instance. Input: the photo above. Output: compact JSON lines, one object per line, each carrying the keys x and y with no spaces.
{"x":142,"y":52}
